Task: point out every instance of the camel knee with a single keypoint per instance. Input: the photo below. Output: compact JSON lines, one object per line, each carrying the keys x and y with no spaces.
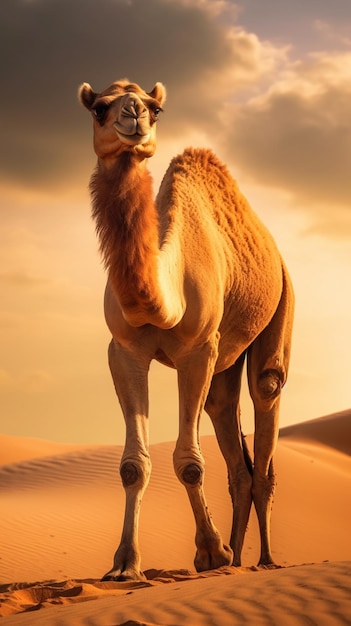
{"x":269,"y":384}
{"x":267,"y":388}
{"x":135,"y":472}
{"x":130,"y":474}
{"x":190,"y":472}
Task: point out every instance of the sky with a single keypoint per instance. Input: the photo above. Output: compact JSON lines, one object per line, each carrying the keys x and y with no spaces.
{"x":266,"y":84}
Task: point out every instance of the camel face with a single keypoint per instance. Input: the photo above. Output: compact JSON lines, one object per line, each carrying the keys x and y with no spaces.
{"x":124,"y":117}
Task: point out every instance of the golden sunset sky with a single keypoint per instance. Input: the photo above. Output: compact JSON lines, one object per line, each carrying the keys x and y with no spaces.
{"x":266,"y":85}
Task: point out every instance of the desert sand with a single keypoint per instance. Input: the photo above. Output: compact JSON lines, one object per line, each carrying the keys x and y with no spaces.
{"x":61,"y":516}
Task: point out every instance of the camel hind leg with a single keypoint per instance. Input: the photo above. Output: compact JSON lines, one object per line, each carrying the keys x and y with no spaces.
{"x":222,"y":405}
{"x":267,"y":366}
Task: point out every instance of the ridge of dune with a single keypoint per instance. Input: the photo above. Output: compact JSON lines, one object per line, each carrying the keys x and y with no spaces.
{"x":64,"y":468}
{"x":330,"y":430}
{"x":14,"y":449}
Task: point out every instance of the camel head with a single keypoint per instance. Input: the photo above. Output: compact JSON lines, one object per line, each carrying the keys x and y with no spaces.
{"x":124,"y":117}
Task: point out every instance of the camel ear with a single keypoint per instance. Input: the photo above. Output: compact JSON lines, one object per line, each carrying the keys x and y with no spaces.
{"x":159,"y":93}
{"x":86,"y":95}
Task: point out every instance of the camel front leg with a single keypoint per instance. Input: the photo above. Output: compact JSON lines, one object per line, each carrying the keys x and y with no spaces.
{"x":194,"y":377}
{"x":130,"y":379}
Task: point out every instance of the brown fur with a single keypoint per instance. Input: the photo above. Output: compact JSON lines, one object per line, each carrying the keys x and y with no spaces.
{"x":127,"y":226}
{"x":196,"y":281}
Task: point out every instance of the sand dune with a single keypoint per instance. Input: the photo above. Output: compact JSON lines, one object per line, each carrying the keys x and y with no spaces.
{"x":332,"y":431}
{"x":61,"y":515}
{"x":15,"y":449}
{"x":310,"y":594}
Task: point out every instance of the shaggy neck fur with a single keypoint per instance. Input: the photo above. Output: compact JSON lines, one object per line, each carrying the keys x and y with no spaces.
{"x":127,"y":226}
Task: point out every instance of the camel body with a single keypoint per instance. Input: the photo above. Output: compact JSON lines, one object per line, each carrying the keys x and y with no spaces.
{"x":195,"y":281}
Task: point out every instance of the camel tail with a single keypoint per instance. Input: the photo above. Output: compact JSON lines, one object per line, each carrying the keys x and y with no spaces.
{"x":247,"y":456}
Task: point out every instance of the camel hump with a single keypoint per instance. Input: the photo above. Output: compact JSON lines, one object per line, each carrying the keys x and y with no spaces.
{"x":203,"y":158}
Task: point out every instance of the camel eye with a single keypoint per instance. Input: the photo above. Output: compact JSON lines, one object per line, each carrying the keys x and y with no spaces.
{"x":156,"y":112}
{"x":100,"y":112}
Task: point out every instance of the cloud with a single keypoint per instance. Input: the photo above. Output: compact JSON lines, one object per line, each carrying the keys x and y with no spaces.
{"x":285,"y":123}
{"x":36,"y":382}
{"x":312,"y":25}
{"x":297,"y":136}
{"x":6,"y":381}
{"x":335,"y":34}
{"x":20,"y":279}
{"x":49,"y":48}
{"x":32,"y":382}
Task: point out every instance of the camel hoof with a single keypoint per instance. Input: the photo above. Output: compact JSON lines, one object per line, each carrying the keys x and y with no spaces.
{"x":118,"y":576}
{"x":269,"y":565}
{"x":212,"y":559}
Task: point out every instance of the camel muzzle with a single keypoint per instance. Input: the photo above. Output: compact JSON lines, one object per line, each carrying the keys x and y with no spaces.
{"x":134,"y":108}
{"x":133,"y":124}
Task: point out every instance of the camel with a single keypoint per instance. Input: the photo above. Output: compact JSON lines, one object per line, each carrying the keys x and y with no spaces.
{"x":195,"y":281}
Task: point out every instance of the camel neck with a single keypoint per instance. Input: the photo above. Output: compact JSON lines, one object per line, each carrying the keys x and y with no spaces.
{"x":127,"y":225}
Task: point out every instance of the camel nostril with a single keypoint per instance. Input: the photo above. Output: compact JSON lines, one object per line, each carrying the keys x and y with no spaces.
{"x":139,"y":109}
{"x":134,"y":109}
{"x":129,"y":111}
